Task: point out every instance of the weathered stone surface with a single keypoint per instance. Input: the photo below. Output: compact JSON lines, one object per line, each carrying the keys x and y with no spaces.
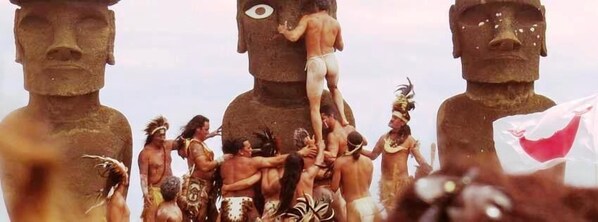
{"x":500,"y":43}
{"x":278,"y":99}
{"x":246,"y":115}
{"x":64,"y":47}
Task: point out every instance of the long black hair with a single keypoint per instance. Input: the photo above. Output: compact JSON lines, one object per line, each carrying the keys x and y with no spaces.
{"x":188,"y":130}
{"x":293,"y":167}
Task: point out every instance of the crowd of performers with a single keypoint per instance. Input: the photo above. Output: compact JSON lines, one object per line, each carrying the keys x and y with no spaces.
{"x":310,"y":183}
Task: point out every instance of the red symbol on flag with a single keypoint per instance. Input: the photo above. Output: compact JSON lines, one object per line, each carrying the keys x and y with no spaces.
{"x":556,"y":146}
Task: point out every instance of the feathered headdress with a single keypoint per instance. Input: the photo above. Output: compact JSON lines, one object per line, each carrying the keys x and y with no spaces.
{"x":155,"y":125}
{"x":269,"y":144}
{"x":404,"y":101}
{"x":108,"y":165}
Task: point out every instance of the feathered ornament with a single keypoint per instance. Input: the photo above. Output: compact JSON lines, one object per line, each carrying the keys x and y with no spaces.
{"x":404,"y":98}
{"x":299,"y":136}
{"x":308,"y":210}
{"x":270,"y":145}
{"x":156,"y":124}
{"x":106,"y":166}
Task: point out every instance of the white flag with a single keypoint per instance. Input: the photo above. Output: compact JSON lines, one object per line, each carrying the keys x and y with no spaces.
{"x":567,"y":132}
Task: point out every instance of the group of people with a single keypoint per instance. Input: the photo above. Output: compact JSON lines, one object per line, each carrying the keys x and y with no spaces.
{"x":325,"y":176}
{"x":264,"y":184}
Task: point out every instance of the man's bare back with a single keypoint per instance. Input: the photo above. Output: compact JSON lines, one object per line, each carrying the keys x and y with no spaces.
{"x":321,"y":34}
{"x":236,"y":169}
{"x":355,"y":176}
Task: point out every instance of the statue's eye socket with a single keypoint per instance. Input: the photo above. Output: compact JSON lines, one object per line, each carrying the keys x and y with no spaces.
{"x":260,"y":11}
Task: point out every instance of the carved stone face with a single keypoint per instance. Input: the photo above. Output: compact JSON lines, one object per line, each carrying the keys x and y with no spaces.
{"x":499,"y":41}
{"x":271,"y":56}
{"x":64,"y":46}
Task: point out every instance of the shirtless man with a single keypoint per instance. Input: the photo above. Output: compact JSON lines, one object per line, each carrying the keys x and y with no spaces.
{"x":238,"y":205}
{"x":322,"y":36}
{"x":115,"y":198}
{"x":353,"y":175}
{"x":154,"y":165}
{"x":336,"y":137}
{"x":336,"y":145}
{"x":395,"y":146}
{"x":197,"y":200}
{"x":169,"y":211}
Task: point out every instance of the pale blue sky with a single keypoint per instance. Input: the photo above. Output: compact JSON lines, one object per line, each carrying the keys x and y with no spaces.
{"x":179,"y":59}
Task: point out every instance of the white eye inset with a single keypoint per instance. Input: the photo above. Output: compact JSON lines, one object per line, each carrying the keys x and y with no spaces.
{"x":260,"y":11}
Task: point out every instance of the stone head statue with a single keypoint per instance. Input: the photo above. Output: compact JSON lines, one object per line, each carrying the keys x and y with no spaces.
{"x":500,"y":43}
{"x":271,"y":56}
{"x":64,"y":45}
{"x":499,"y":40}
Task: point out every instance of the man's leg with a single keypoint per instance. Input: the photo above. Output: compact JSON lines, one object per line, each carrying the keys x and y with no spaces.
{"x":332,"y":76}
{"x":316,"y":70}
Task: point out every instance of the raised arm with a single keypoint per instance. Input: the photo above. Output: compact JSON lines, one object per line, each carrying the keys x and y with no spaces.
{"x":314,"y":169}
{"x":373,"y":154}
{"x":243,"y":184}
{"x":296,"y":33}
{"x":263,"y":162}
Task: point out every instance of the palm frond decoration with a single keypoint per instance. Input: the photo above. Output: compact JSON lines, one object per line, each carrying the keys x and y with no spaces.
{"x":308,"y":210}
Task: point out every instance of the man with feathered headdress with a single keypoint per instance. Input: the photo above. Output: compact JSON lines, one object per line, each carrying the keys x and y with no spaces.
{"x":395,"y":146}
{"x":113,"y":195}
{"x":154,"y":165}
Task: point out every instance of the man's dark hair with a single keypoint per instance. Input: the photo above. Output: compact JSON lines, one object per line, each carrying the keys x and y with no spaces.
{"x":322,"y":4}
{"x":328,"y":110}
{"x":196,"y":122}
{"x":355,"y":141}
{"x":233,"y":146}
{"x":170,"y":188}
{"x":189,"y":130}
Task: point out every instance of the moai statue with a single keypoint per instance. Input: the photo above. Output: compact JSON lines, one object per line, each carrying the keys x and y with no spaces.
{"x":278,"y":99}
{"x":500,"y":43}
{"x":64,"y":47}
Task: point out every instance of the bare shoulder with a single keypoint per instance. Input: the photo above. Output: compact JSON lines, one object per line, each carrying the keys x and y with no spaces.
{"x":381,"y":139}
{"x":195,"y":148}
{"x":168,"y":144}
{"x":340,"y":161}
{"x":143,"y":154}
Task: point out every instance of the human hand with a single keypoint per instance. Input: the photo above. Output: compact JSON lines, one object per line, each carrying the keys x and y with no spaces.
{"x":283,"y":28}
{"x":148,"y":200}
{"x":217,"y":132}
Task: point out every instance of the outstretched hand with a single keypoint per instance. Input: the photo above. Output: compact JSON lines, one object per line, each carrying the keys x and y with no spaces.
{"x":217,"y":132}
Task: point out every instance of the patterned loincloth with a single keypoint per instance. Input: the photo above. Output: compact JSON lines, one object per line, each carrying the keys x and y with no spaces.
{"x":196,"y":196}
{"x":236,"y":209}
